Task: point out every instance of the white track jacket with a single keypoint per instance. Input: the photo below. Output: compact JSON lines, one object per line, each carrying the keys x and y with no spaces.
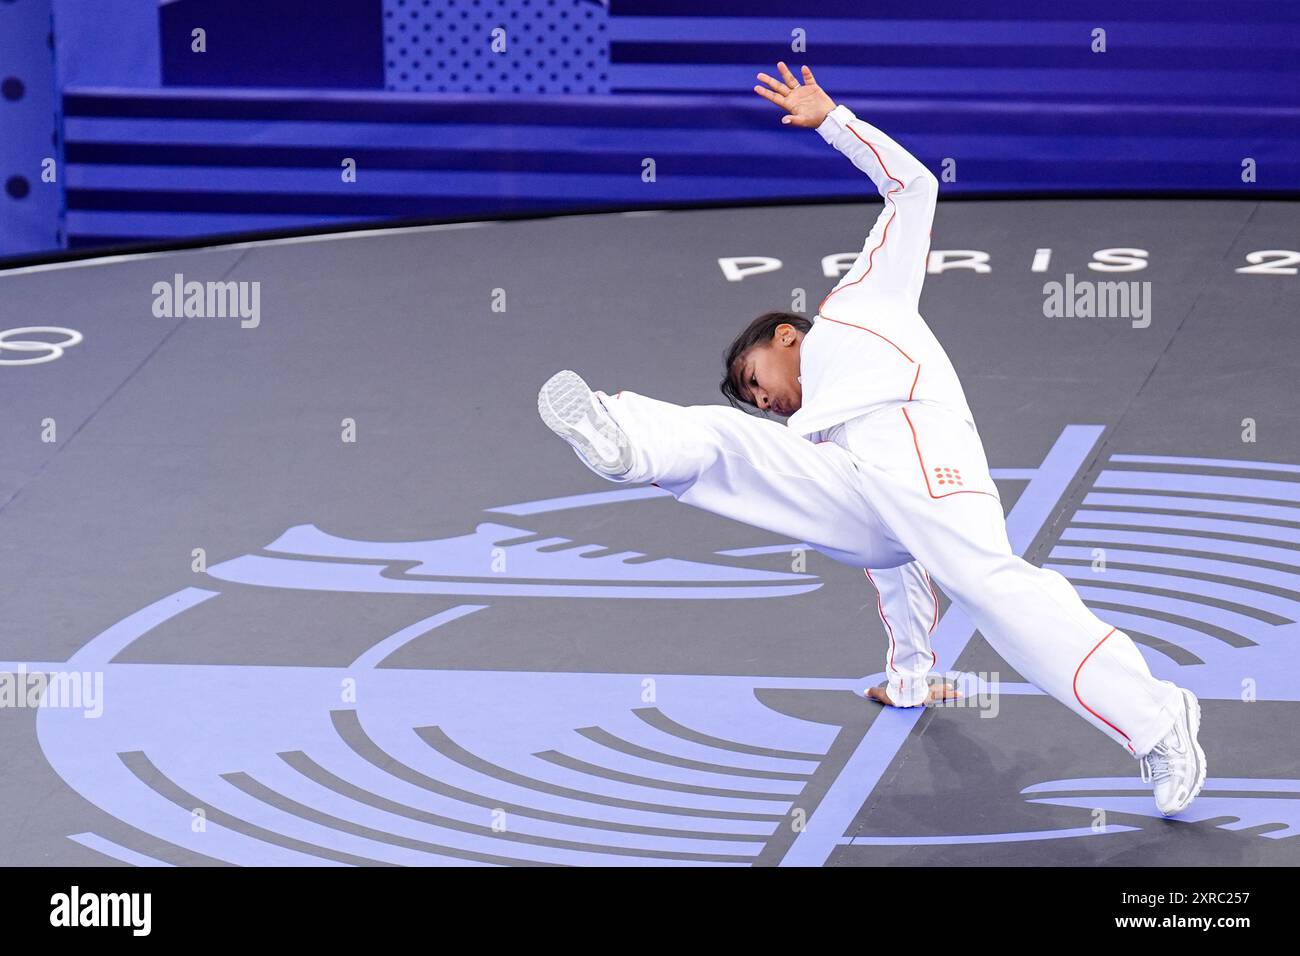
{"x":869,"y":349}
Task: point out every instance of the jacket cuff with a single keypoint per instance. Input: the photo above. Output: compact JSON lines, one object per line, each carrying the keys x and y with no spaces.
{"x":836,"y":120}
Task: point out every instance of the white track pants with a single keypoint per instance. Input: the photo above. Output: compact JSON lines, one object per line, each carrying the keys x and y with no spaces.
{"x":901,"y":492}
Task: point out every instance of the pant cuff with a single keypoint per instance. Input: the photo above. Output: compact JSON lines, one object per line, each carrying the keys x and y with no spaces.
{"x":1170,"y":712}
{"x":908,"y":690}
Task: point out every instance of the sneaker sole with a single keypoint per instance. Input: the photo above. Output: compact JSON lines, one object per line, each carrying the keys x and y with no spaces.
{"x":565,"y":403}
{"x":1194,"y":725}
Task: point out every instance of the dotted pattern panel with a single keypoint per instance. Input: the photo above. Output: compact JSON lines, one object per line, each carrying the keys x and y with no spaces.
{"x":446,"y":46}
{"x":30,"y":203}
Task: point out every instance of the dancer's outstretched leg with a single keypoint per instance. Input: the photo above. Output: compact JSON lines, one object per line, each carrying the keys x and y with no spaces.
{"x":724,"y":461}
{"x":924,"y":469}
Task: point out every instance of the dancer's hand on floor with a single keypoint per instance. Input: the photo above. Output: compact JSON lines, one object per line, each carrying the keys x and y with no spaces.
{"x":807,"y":104}
{"x":939,"y":690}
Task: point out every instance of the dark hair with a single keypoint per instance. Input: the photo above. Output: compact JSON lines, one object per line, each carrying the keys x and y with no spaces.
{"x":759,"y":332}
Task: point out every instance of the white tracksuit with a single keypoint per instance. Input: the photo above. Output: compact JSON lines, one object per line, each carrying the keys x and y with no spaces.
{"x":882,"y":468}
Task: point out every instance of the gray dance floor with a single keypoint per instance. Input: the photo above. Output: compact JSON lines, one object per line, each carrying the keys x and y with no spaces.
{"x":445,"y":642}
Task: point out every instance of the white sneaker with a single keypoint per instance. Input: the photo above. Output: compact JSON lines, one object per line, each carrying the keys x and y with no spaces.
{"x":575,"y":413}
{"x":1176,"y":764}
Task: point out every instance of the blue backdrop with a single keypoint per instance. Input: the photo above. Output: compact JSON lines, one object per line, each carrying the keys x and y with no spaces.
{"x":186,"y":118}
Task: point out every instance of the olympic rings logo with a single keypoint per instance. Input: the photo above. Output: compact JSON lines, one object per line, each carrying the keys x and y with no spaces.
{"x":52,"y":350}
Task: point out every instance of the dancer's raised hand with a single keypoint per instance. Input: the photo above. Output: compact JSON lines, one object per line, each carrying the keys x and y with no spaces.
{"x":806,"y":104}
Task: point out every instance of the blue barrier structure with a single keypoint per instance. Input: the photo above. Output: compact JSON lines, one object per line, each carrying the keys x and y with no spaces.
{"x":30,"y":173}
{"x":221,"y":117}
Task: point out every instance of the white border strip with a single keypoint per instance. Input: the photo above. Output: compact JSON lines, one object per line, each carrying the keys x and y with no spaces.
{"x":250,"y":244}
{"x":361,"y":233}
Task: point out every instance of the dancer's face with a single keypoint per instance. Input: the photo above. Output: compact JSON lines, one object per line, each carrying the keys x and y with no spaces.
{"x":769,"y":373}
